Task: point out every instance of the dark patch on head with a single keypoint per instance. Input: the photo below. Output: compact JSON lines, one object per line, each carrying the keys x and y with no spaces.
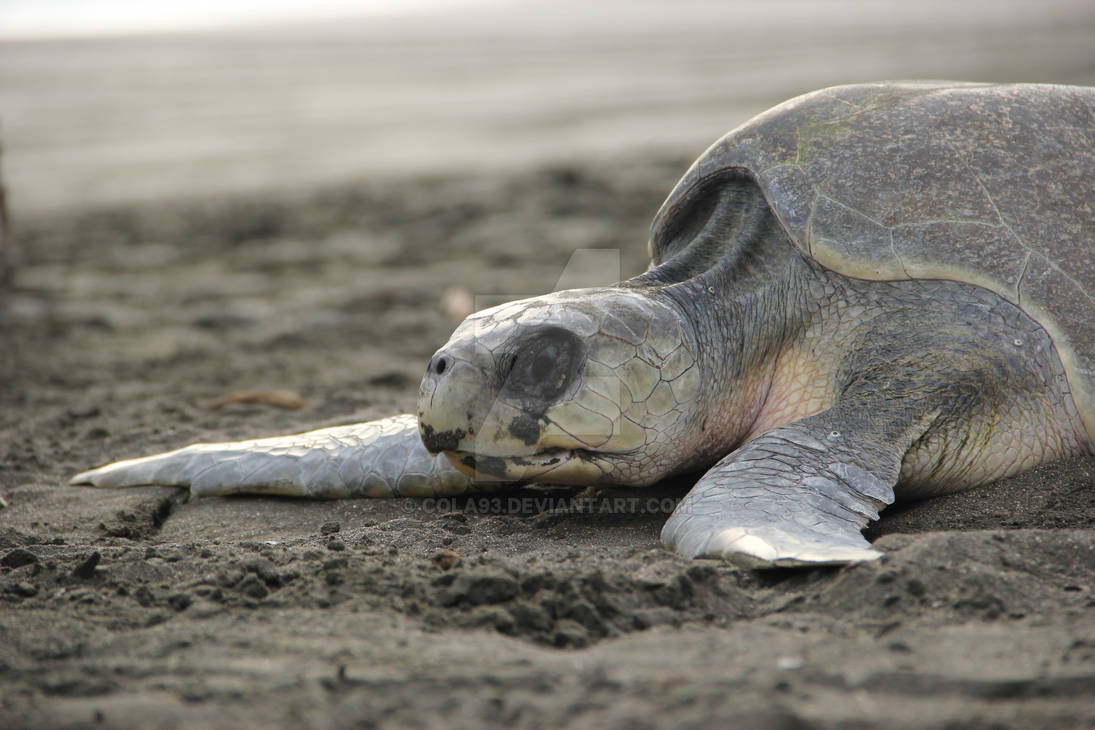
{"x":536,"y":368}
{"x":436,"y":442}
{"x":525,"y":428}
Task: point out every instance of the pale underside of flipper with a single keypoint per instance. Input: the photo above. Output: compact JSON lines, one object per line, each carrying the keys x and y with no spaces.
{"x":383,"y":458}
{"x":786,"y":498}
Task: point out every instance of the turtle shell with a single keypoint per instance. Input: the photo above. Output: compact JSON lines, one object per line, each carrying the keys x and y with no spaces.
{"x":987,"y":184}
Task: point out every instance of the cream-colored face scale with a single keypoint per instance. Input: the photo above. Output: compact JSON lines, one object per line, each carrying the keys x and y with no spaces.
{"x":619,"y":418}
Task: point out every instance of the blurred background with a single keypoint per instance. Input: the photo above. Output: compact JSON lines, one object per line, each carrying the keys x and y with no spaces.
{"x":120,"y":101}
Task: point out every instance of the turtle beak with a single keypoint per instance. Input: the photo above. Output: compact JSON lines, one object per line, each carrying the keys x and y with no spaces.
{"x":445,"y":401}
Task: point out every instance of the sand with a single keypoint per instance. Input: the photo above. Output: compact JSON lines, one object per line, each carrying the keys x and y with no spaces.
{"x":288,"y":257}
{"x":130,"y":608}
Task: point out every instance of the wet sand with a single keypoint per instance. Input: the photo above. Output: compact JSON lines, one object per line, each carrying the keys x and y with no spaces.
{"x":279,"y":612}
{"x":528,"y":608}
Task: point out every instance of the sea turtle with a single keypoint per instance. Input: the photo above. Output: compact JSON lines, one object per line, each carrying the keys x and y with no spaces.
{"x":866,"y":287}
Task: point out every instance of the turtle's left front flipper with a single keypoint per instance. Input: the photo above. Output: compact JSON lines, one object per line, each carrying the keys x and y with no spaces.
{"x":383,"y":458}
{"x":796,"y":495}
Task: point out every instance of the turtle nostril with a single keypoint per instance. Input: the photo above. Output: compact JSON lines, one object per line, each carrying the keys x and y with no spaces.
{"x":440,"y":364}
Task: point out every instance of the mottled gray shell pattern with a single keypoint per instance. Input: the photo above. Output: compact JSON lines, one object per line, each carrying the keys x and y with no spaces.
{"x":987,"y":184}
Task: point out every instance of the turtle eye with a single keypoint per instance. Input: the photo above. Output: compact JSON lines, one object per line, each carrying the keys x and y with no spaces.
{"x":541,"y":365}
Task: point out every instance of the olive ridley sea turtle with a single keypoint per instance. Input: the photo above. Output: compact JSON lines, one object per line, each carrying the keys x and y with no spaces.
{"x":866,"y":289}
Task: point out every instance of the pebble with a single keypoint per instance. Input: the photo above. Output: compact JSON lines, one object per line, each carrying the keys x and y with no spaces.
{"x":86,"y":568}
{"x":790,"y":663}
{"x":24,"y":589}
{"x":570,"y":634}
{"x":253,"y":587}
{"x":156,"y":619}
{"x":531,"y":616}
{"x":264,"y":568}
{"x":445,"y":559}
{"x":17,"y":558}
{"x":180,"y":601}
{"x":144,"y":596}
{"x":229,"y":577}
{"x":479,"y":589}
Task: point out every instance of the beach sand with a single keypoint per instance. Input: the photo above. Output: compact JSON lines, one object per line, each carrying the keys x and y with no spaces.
{"x":148,"y":288}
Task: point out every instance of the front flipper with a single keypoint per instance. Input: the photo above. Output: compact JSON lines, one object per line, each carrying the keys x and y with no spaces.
{"x":383,"y":458}
{"x":796,"y":495}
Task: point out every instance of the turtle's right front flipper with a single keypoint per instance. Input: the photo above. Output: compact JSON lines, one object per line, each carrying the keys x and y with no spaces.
{"x":798,"y":494}
{"x":383,"y":458}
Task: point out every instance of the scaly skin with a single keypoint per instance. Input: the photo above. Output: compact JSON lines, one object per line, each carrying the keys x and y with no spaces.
{"x":383,"y":458}
{"x":615,"y":403}
{"x":929,"y":387}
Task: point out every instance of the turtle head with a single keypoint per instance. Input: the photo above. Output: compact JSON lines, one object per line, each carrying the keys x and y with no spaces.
{"x":576,"y":387}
